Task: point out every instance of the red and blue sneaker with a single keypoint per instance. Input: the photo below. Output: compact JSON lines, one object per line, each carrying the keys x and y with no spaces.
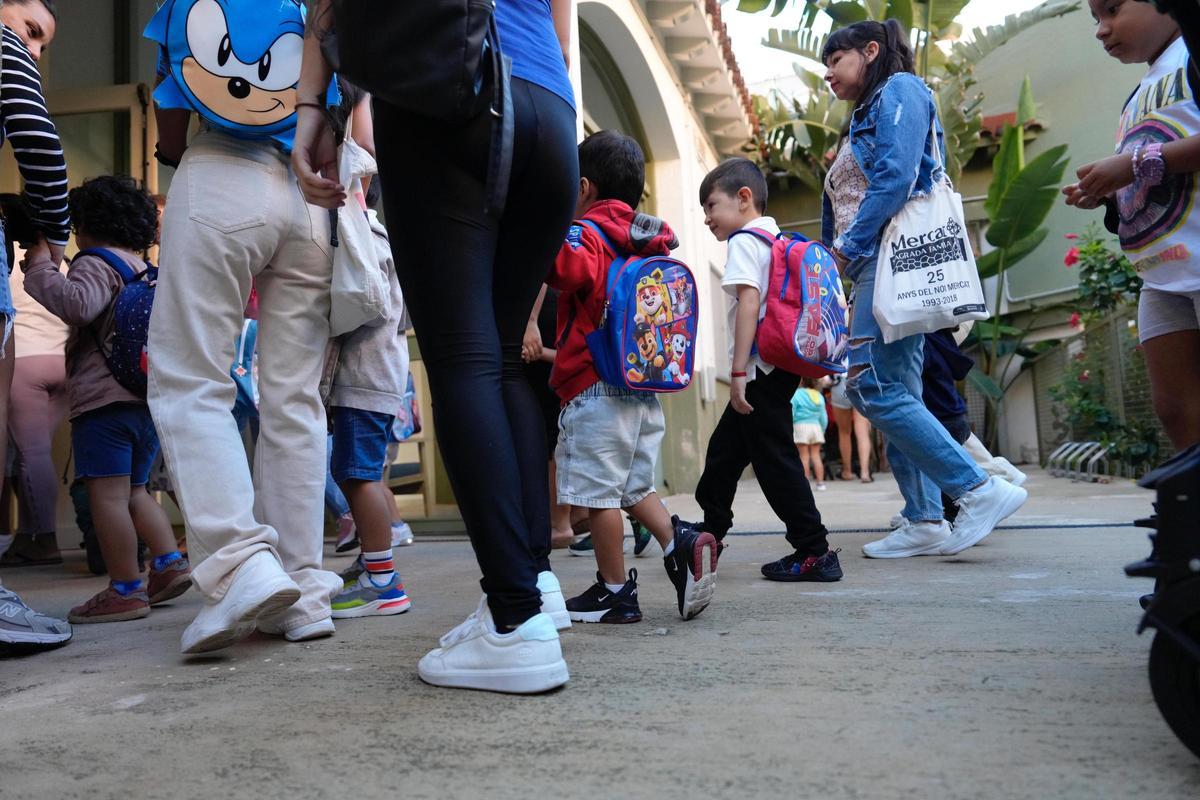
{"x":798,"y":567}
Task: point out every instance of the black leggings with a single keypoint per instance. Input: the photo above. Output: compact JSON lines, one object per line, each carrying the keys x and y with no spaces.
{"x":470,"y":281}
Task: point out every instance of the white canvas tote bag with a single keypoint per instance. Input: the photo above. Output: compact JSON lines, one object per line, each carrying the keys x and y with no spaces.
{"x":926,"y":279}
{"x":359,"y":292}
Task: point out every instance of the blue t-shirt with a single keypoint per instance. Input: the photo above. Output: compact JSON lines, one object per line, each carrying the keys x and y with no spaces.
{"x":527,"y":36}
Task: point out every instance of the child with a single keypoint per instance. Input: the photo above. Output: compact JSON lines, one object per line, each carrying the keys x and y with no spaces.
{"x":370,"y":377}
{"x":112,"y":435}
{"x":1149,"y":190}
{"x":609,"y":436}
{"x":809,"y":421}
{"x":756,"y":424}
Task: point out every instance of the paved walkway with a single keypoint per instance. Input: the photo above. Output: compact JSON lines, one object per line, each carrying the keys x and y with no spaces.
{"x":1010,"y":671}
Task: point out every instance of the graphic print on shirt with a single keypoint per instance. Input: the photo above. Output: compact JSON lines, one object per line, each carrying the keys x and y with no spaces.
{"x":235,"y":62}
{"x":1149,"y":213}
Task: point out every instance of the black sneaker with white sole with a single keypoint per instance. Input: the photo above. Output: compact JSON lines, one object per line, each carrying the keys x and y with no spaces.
{"x":601,"y":604}
{"x":692,"y":567}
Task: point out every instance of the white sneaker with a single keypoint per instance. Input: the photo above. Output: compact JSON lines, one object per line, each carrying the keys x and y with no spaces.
{"x":553,"y":602}
{"x":260,"y":588}
{"x":1011,"y":473}
{"x":896,"y":522}
{"x":402,"y":535}
{"x":474,"y":656}
{"x":313,"y":630}
{"x":980,"y":511}
{"x":910,"y":539}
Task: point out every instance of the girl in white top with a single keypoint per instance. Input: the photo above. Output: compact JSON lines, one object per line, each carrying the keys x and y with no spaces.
{"x":1150,"y":190}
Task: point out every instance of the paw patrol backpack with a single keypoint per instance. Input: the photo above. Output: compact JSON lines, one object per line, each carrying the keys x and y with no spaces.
{"x":647,"y":335}
{"x":126,"y":360}
{"x":806,"y":330}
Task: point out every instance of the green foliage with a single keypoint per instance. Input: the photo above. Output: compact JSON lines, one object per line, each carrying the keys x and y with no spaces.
{"x":990,"y":262}
{"x":1107,"y":280}
{"x":1027,"y":199}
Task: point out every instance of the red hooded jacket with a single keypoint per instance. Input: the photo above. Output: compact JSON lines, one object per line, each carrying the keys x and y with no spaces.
{"x":581,"y":274}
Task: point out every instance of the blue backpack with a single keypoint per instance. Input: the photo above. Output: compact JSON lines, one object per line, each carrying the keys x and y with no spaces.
{"x":127,"y":359}
{"x":646,"y":338}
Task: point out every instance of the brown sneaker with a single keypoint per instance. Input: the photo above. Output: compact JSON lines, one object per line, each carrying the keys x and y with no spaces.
{"x":27,"y":550}
{"x":111,"y":606}
{"x":169,"y":582}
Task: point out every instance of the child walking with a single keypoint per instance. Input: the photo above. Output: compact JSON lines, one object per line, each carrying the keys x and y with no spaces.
{"x":755,"y":428}
{"x":112,"y":435}
{"x":1149,"y":190}
{"x":609,"y":436}
{"x":809,"y":421}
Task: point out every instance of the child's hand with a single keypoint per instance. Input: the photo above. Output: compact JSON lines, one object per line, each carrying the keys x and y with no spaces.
{"x":1103,"y":178}
{"x":1079,"y":198}
{"x":531,"y":345}
{"x":40,"y":250}
{"x":737,"y":396}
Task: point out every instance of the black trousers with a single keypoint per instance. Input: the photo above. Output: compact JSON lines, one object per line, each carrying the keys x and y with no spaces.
{"x":470,"y":281}
{"x":763,"y":439}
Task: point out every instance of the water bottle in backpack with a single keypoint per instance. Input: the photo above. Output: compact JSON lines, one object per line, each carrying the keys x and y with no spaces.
{"x":127,"y":359}
{"x":647,"y":336}
{"x":806,"y":329}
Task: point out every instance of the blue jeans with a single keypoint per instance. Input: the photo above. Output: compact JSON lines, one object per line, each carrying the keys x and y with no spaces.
{"x":335,"y":501}
{"x":885,"y":386}
{"x":6,"y":302}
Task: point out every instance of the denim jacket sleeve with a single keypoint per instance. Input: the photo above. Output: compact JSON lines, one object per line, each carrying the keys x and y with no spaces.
{"x":827,"y":230}
{"x":902,"y":123}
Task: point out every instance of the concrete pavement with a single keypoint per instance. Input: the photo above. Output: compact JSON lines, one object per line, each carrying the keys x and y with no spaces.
{"x":1010,"y":671}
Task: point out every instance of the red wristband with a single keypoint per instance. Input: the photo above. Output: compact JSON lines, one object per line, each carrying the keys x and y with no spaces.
{"x":737,"y":375}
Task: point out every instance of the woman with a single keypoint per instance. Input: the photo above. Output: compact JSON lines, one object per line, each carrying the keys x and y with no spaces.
{"x":852,"y":426}
{"x":893,"y":137}
{"x":28,"y":27}
{"x":470,"y":314}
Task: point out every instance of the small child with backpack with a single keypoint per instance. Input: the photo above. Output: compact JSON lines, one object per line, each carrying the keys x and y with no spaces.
{"x":105,"y":297}
{"x":756,"y":427}
{"x":368,"y":379}
{"x":623,"y":303}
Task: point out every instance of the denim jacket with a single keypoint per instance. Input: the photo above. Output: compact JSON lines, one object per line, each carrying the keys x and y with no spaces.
{"x":889,"y":138}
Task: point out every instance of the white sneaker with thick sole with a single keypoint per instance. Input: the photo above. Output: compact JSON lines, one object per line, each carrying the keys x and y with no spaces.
{"x":313,"y":630}
{"x":474,"y":656}
{"x":980,"y":511}
{"x":896,"y":522}
{"x":910,"y":539}
{"x":1011,"y":473}
{"x":402,"y":535}
{"x":553,"y":602}
{"x":260,"y":588}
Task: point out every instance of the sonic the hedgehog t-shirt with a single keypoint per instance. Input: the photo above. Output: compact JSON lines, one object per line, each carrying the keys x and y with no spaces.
{"x":236,"y":63}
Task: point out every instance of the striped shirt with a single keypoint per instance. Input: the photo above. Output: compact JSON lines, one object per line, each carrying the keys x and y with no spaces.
{"x":26,"y":124}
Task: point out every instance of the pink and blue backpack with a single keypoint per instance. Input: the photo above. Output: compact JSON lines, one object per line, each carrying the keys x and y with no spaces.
{"x":806,"y":330}
{"x":126,"y":360}
{"x":646,"y":339}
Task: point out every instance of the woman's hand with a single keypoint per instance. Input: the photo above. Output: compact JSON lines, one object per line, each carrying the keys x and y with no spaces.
{"x":737,"y":395}
{"x":531,"y":346}
{"x":1079,"y":198}
{"x":1104,"y":177}
{"x":842,"y":261}
{"x":314,"y":159}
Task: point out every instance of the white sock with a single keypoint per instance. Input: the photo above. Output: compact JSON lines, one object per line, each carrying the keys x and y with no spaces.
{"x":670,"y":548}
{"x":614,"y":587}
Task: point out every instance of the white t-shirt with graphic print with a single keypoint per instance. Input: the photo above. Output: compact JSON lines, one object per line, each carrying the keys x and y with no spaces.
{"x":1159,"y":227}
{"x":748,"y":263}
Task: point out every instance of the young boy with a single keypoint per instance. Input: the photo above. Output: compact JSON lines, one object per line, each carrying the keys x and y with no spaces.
{"x":112,"y":435}
{"x":609,"y":436}
{"x":756,"y":427}
{"x":370,"y":376}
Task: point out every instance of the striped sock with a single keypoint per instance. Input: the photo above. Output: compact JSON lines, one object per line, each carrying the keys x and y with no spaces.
{"x":381,"y":568}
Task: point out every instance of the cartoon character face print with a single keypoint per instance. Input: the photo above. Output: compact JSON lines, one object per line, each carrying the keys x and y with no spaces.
{"x":679,"y":346}
{"x":652,"y":299}
{"x":236,"y":62}
{"x":647,"y":363}
{"x":681,"y":297}
{"x":648,"y":345}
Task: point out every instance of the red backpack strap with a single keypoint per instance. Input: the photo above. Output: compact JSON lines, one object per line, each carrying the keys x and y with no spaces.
{"x":766,"y":236}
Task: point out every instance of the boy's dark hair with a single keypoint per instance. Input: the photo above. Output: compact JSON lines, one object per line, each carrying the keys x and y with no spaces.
{"x":730,"y":176}
{"x":48,"y":4}
{"x":895,"y":54}
{"x":615,"y":165}
{"x":115,"y":210}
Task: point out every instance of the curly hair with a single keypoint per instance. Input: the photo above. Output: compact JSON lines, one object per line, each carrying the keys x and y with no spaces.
{"x":115,"y":210}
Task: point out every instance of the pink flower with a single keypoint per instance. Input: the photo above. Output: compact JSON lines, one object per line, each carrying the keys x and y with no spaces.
{"x":1072,"y":257}
{"x":1071,"y":236}
{"x":1075,"y":319}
